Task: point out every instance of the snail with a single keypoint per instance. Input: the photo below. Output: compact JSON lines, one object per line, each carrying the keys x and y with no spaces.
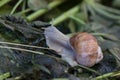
{"x":80,"y":49}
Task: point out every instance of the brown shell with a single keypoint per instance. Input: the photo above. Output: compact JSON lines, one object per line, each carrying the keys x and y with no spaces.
{"x":86,"y":47}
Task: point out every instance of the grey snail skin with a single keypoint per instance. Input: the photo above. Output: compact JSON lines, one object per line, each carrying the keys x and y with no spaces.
{"x":80,"y":49}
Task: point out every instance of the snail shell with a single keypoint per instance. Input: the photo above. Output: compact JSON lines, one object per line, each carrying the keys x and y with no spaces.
{"x":81,"y":48}
{"x":87,"y":50}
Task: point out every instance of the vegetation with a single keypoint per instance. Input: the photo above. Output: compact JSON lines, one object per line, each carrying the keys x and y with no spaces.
{"x":24,"y":54}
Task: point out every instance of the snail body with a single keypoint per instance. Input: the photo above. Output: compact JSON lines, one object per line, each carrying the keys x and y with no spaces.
{"x":81,"y":48}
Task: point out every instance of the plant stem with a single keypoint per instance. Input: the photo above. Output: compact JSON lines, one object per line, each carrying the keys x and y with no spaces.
{"x":60,"y":79}
{"x":15,"y":7}
{"x":42,"y":11}
{"x":89,"y":69}
{"x":99,"y":34}
{"x":26,"y":50}
{"x":23,"y":45}
{"x":3,"y":2}
{"x":20,"y":49}
{"x":103,"y":10}
{"x":65,"y":15}
{"x":106,"y":14}
{"x":77,"y":20}
{"x":105,"y":75}
{"x":24,"y":11}
{"x":109,"y":9}
{"x":4,"y":76}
